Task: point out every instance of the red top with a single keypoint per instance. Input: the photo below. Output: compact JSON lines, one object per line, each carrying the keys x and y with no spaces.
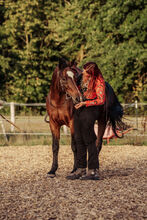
{"x":97,"y":95}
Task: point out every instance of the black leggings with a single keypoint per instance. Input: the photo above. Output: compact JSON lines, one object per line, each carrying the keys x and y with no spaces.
{"x":84,"y":120}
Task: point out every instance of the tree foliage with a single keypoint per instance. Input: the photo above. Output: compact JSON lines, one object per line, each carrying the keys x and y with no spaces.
{"x":35,"y":33}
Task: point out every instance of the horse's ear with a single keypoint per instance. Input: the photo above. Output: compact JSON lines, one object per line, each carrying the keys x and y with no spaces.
{"x":62,"y":63}
{"x":73,"y":62}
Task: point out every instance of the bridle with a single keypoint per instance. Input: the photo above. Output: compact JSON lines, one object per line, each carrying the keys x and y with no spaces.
{"x":67,"y":95}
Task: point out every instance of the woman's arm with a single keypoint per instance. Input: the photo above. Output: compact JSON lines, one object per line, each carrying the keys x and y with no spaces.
{"x":100,"y":94}
{"x":79,"y":105}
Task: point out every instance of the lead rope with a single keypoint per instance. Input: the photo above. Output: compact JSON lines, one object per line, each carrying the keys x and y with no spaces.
{"x":10,"y":122}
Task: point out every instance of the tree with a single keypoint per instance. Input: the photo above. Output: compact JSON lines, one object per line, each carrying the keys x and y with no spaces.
{"x":117,"y":42}
{"x":33,"y":51}
{"x":111,"y":33}
{"x":34,"y":34}
{"x":4,"y":59}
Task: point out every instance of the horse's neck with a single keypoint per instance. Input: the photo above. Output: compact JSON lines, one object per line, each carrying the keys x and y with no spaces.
{"x":56,"y":93}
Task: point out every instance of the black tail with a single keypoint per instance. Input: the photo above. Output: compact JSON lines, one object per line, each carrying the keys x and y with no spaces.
{"x":114,"y":111}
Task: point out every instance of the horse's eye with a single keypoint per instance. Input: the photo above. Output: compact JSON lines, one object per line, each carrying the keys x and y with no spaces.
{"x":64,"y":79}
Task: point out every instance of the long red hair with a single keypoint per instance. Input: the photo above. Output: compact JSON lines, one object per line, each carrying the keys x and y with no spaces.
{"x":93,"y":70}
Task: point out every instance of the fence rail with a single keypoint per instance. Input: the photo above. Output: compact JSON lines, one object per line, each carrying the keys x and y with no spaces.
{"x":35,"y":125}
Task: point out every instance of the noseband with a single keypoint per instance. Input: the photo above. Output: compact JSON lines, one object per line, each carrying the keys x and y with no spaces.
{"x":67,"y":95}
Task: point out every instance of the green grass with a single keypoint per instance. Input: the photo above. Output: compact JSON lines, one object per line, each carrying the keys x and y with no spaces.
{"x":32,"y":124}
{"x":129,"y":140}
{"x":31,"y":140}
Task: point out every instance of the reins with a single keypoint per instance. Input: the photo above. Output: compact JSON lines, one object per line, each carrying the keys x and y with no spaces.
{"x":10,"y":122}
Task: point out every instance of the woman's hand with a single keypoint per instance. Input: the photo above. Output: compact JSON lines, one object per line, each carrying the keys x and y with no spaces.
{"x":79,"y":105}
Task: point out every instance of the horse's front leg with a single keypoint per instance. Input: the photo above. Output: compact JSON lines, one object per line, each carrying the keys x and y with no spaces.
{"x":55,"y":148}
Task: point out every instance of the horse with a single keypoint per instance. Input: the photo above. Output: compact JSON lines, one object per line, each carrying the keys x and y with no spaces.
{"x":62,"y":97}
{"x":60,"y":102}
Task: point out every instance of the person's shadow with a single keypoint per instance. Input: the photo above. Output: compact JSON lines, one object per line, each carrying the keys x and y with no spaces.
{"x":116,"y":173}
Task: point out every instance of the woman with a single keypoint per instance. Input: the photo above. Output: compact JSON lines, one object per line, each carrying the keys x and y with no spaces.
{"x":92,"y":87}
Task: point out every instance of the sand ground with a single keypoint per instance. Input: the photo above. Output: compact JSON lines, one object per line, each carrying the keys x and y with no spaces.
{"x":27,"y":193}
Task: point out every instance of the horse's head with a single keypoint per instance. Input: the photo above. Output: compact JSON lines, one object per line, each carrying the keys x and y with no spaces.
{"x":68,"y":83}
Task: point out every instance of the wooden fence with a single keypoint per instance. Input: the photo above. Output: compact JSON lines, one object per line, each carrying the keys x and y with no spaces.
{"x":35,"y":125}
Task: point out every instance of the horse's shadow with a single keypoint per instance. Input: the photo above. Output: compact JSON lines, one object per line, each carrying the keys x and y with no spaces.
{"x":116,"y":173}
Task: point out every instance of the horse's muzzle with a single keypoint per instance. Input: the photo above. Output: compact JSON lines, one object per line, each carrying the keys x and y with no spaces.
{"x":77,"y":100}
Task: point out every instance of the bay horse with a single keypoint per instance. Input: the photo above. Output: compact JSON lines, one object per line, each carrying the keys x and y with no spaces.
{"x":60,"y":101}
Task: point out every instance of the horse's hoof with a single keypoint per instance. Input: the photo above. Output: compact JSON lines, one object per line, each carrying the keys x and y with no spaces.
{"x":51,"y":175}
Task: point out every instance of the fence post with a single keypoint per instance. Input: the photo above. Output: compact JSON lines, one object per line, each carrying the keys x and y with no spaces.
{"x":3,"y":128}
{"x":12,"y":111}
{"x":136,"y":112}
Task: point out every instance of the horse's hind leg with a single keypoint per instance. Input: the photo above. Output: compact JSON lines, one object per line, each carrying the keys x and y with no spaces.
{"x":73,"y":147}
{"x":55,"y":149}
{"x":101,"y":130}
